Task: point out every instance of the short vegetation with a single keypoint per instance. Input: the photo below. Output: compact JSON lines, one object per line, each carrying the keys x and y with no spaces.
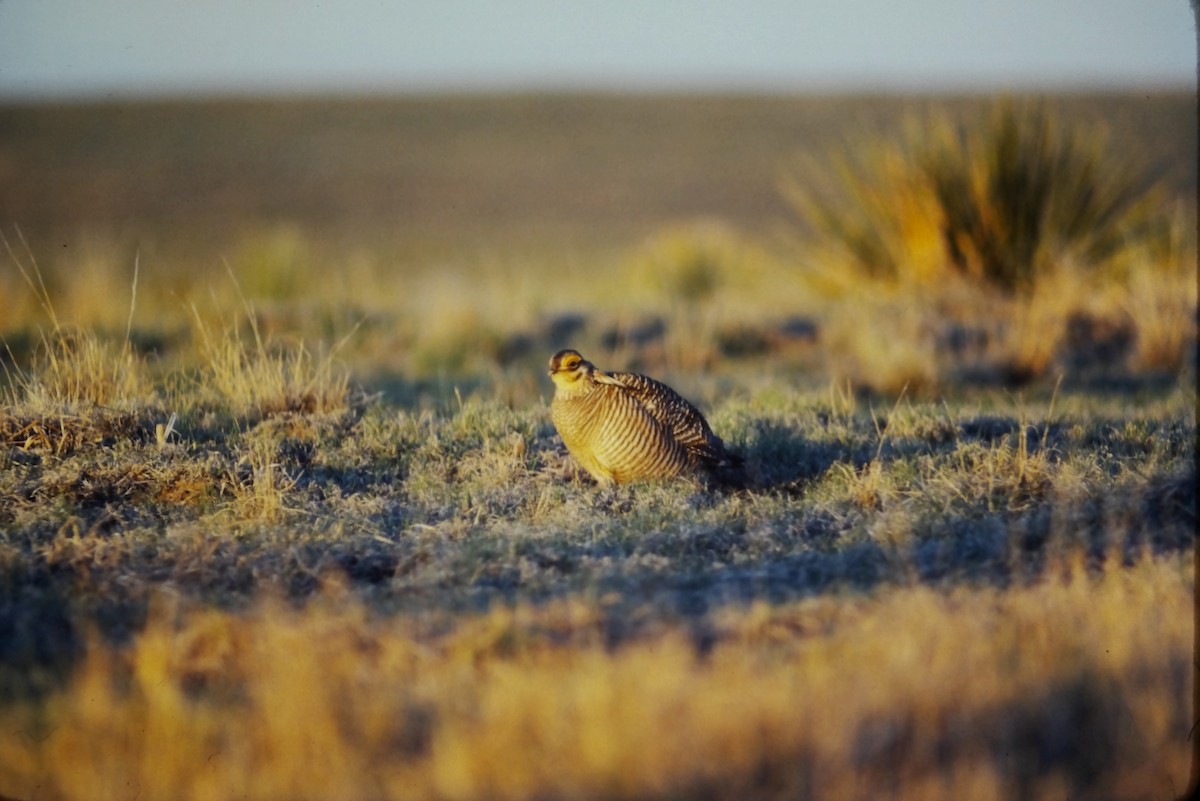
{"x":274,"y":542}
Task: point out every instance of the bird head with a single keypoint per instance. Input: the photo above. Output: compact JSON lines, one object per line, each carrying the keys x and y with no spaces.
{"x":567,"y":367}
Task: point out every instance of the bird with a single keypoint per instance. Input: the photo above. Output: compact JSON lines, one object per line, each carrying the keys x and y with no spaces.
{"x":627,"y":427}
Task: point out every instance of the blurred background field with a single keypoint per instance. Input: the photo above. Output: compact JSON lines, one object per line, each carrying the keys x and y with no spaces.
{"x":464,"y":238}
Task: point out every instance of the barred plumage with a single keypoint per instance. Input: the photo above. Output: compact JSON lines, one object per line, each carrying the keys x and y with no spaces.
{"x":625,"y":427}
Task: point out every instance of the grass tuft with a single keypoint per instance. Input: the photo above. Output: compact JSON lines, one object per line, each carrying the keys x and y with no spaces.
{"x":79,"y":369}
{"x":261,"y":380}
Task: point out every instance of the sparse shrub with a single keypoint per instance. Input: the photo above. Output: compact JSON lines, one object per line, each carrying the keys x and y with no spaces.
{"x":1158,"y":292}
{"x":1027,"y":195}
{"x":1021,"y":232}
{"x":1003,"y":205}
{"x":688,"y":264}
{"x":875,"y":215}
{"x":879,"y":342}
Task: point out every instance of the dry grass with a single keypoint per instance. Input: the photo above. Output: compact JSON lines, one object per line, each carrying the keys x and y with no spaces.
{"x":80,"y":370}
{"x":930,"y":599}
{"x":63,"y":433}
{"x":74,"y":368}
{"x":262,"y":380}
{"x":1078,"y":685}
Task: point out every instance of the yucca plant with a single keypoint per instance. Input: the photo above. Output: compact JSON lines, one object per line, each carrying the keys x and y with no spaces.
{"x":1028,"y":195}
{"x":873,"y":212}
{"x":1002,"y":205}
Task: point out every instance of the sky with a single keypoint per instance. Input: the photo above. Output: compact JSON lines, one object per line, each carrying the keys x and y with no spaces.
{"x":88,"y":48}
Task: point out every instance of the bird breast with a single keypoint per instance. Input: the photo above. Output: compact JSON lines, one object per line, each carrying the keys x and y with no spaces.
{"x":614,"y":437}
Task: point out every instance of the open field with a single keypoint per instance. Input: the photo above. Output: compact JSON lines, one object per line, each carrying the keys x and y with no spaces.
{"x":282,"y":513}
{"x":987,"y":597}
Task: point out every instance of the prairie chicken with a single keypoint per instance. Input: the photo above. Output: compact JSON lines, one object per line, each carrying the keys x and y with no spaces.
{"x":625,"y":427}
